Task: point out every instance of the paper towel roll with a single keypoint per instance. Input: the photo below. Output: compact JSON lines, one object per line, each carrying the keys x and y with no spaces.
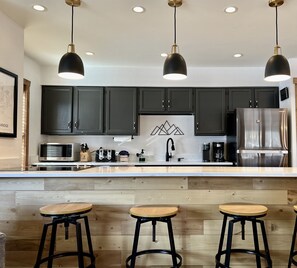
{"x":122,"y":138}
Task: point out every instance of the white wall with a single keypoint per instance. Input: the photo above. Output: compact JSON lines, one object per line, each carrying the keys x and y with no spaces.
{"x":33,"y":74}
{"x":131,"y":76}
{"x":12,"y":59}
{"x":290,"y":103}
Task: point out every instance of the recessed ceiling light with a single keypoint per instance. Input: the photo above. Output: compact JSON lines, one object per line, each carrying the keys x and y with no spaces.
{"x":39,"y":8}
{"x":138,"y":9}
{"x":231,"y":9}
{"x":237,"y":55}
{"x":90,"y":53}
{"x":164,"y":55}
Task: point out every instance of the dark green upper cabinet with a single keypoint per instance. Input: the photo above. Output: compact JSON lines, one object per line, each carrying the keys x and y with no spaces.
{"x":267,"y":97}
{"x":210,"y":111}
{"x":260,"y":97}
{"x":165,"y":100}
{"x":88,"y":110}
{"x":121,"y":111}
{"x":56,"y":111}
{"x":72,"y":110}
{"x":180,"y":100}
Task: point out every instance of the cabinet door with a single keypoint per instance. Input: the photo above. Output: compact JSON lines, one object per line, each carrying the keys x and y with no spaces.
{"x":240,"y":98}
{"x":152,"y":100}
{"x":88,"y":110}
{"x":121,"y":111}
{"x":56,"y":110}
{"x":180,"y":100}
{"x":267,"y":97}
{"x":210,"y":111}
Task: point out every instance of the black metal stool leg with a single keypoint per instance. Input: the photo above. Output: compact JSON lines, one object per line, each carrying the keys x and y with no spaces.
{"x":172,"y":245}
{"x":265,"y":242}
{"x":218,"y":256}
{"x":80,"y":256}
{"x":229,"y":243}
{"x":52,"y":244}
{"x":256,"y":243}
{"x":88,"y":233}
{"x":41,"y":245}
{"x":293,"y":244}
{"x":135,"y":243}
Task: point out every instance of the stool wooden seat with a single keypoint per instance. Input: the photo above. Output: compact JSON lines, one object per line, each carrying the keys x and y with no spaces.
{"x":242,"y":213}
{"x":66,"y":214}
{"x":243,"y":210}
{"x":293,"y":252}
{"x":65,"y":209}
{"x":153,"y":214}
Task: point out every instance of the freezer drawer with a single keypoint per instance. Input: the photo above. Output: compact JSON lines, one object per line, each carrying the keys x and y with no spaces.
{"x":263,"y":160}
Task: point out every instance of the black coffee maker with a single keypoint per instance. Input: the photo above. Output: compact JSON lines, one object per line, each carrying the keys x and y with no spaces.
{"x":218,"y":151}
{"x":206,"y":152}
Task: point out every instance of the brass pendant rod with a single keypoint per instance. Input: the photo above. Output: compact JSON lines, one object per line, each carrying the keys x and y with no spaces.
{"x":276,"y":26}
{"x":72,"y":11}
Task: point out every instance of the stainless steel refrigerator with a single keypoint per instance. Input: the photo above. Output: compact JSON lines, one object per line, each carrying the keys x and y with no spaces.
{"x":258,"y":137}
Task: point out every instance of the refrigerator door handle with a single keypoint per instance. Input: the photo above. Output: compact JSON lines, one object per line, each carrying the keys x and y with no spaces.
{"x":259,"y":151}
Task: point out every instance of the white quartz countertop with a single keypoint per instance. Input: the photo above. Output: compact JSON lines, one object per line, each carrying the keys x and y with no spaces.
{"x":158,"y":171}
{"x":130,"y":163}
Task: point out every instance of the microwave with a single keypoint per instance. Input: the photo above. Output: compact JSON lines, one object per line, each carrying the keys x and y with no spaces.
{"x":59,"y":152}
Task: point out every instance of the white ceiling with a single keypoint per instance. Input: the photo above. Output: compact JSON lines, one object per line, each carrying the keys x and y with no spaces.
{"x":205,"y":34}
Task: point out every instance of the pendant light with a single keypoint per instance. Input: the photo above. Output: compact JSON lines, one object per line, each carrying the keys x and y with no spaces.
{"x":71,"y":65}
{"x":277,"y":68}
{"x":175,"y":67}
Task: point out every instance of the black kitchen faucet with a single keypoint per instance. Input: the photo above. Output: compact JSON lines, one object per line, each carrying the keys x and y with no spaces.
{"x":169,"y":155}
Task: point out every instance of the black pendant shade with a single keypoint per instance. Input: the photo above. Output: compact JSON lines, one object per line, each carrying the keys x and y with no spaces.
{"x":71,"y":65}
{"x":277,"y":67}
{"x":175,"y":67}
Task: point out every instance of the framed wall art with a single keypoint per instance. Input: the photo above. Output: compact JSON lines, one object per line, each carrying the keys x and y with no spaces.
{"x":8,"y":103}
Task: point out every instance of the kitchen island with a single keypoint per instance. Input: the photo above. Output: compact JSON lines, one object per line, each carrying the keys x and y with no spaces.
{"x":113,"y":190}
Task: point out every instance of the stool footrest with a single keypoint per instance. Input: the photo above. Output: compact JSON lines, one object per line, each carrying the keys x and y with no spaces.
{"x":67,"y":254}
{"x":238,"y":250}
{"x":155,"y":251}
{"x":292,"y":258}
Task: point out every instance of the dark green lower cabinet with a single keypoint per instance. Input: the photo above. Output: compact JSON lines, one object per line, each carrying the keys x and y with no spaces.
{"x":210,"y":113}
{"x":121,"y":111}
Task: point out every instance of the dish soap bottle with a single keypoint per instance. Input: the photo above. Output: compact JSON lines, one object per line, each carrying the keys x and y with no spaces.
{"x":140,"y":156}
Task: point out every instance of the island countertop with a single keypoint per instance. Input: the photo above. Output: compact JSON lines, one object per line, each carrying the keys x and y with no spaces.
{"x":113,"y":190}
{"x":158,"y":171}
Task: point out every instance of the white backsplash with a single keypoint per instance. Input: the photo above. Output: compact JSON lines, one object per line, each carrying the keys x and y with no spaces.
{"x":179,"y":127}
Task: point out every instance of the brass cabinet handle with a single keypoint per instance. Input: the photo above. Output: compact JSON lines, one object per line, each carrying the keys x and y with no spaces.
{"x":256,"y":104}
{"x":250,"y":104}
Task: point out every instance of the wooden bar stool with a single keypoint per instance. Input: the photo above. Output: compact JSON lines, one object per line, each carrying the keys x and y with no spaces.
{"x":66,"y":213}
{"x":293,"y":253}
{"x":154,"y":215}
{"x":242,"y":213}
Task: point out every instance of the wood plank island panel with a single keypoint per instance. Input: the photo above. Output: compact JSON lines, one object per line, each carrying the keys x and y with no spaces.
{"x":196,"y":227}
